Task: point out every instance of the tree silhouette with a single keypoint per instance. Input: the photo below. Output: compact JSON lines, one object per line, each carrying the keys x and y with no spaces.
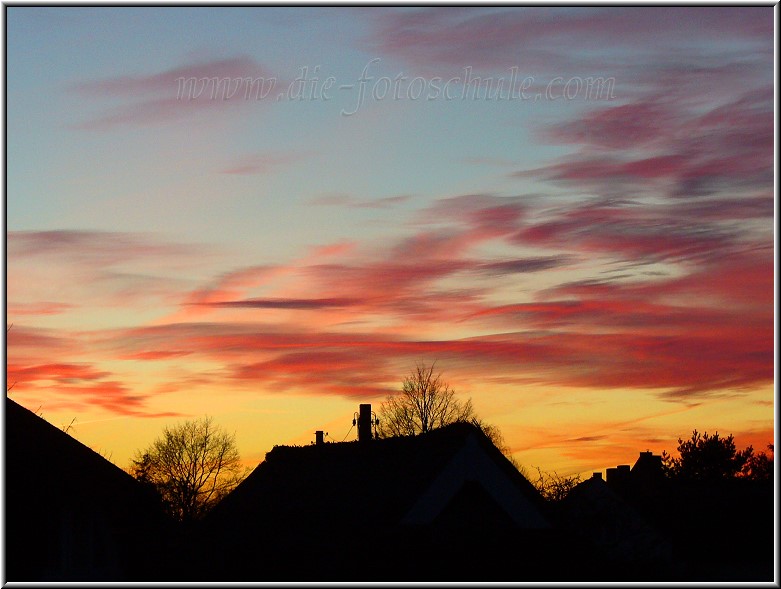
{"x":426,"y":402}
{"x":759,"y":467}
{"x":554,"y":486}
{"x":706,"y":458}
{"x":191,"y":466}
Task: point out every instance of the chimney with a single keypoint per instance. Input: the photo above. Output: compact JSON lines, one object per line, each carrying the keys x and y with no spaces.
{"x":618,"y":478}
{"x":597,"y":476}
{"x":365,"y":422}
{"x":319,"y":438}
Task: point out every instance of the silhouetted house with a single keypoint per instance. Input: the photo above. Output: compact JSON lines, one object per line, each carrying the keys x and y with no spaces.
{"x":647,"y":471}
{"x":618,"y":478}
{"x":446,"y":505}
{"x":619,"y":535}
{"x":618,"y":517}
{"x":645,"y":526}
{"x":71,"y":515}
{"x":644,"y":478}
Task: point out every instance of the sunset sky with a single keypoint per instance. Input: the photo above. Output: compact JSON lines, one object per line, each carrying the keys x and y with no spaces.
{"x":586,"y":251}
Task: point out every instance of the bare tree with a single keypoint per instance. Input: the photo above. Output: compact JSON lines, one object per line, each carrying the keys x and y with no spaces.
{"x":425,"y":403}
{"x":554,"y":486}
{"x":192,"y":466}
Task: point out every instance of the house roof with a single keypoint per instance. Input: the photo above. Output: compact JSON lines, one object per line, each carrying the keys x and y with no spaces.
{"x":71,"y":514}
{"x":445,"y":505}
{"x":38,"y":453}
{"x":404,"y":480}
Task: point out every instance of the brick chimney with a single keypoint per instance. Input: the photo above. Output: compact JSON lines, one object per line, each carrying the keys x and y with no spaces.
{"x":319,"y":438}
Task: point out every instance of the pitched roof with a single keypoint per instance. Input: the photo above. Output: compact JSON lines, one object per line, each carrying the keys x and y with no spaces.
{"x":595,"y":511}
{"x":71,"y":514}
{"x":391,"y":509}
{"x":37,"y":451}
{"x":404,"y":480}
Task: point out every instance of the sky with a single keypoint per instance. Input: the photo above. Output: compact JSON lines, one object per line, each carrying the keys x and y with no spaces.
{"x":270,"y":215}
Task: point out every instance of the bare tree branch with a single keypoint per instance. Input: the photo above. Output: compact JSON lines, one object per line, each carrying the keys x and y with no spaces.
{"x":192,"y":466}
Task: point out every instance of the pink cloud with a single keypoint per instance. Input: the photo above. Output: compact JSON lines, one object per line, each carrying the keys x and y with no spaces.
{"x":704,"y":331}
{"x":55,"y":372}
{"x":593,"y":333}
{"x":522,"y":265}
{"x":113,"y":396}
{"x":326,"y":371}
{"x":649,"y":344}
{"x":217,"y":86}
{"x":296,"y":304}
{"x":632,"y":232}
{"x":596,"y":334}
{"x":345,"y":200}
{"x":236,"y":67}
{"x":157,"y":355}
{"x":538,"y":37}
{"x":231,"y":284}
{"x":94,"y":247}
{"x":263,"y":163}
{"x":625,"y":361}
{"x":680,"y":172}
{"x":678,"y":150}
{"x":148,"y":112}
{"x":95,"y":269}
{"x":41,"y":308}
{"x":30,"y":342}
{"x":720,"y":334}
{"x":75,"y":386}
{"x":590,"y":334}
{"x":617,"y":127}
{"x":334,"y":249}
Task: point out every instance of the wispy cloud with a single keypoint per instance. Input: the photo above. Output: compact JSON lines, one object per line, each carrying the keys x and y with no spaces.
{"x":165,"y":81}
{"x":74,"y":386}
{"x":41,"y":308}
{"x":685,"y":334}
{"x":96,"y":268}
{"x":540,"y":38}
{"x":653,"y":270}
{"x":645,"y":147}
{"x":34,"y":341}
{"x":213,"y":86}
{"x":299,"y":304}
{"x":345,"y":200}
{"x":95,"y":247}
{"x":263,"y":163}
{"x":522,"y":265}
{"x":62,"y":373}
{"x":347,"y":317}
